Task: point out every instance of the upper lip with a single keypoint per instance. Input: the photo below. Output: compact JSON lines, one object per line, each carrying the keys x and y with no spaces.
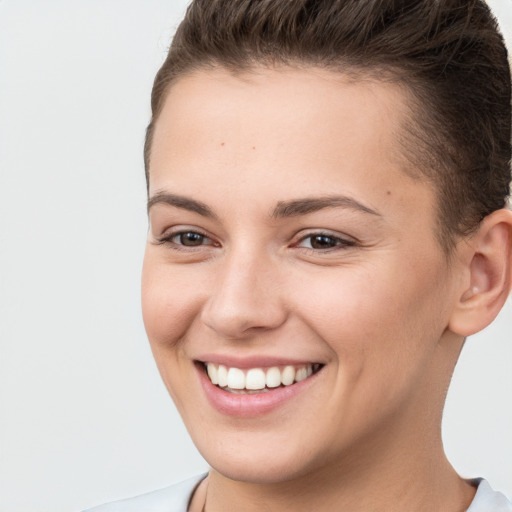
{"x":256,"y":361}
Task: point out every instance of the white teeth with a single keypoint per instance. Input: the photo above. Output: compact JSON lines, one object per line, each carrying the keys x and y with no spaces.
{"x":301,"y":374}
{"x":273,"y":379}
{"x":255,"y":379}
{"x":212,"y":373}
{"x":288,"y":375}
{"x":236,"y":378}
{"x":222,"y":376}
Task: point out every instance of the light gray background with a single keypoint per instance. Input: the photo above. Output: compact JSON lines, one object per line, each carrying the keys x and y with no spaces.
{"x":84,"y":417}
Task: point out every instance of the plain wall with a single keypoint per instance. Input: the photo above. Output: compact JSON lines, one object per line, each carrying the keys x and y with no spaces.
{"x":84,"y":417}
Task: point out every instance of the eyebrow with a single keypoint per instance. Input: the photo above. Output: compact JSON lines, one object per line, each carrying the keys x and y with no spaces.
{"x":283,"y":209}
{"x":313,"y":204}
{"x":182,"y":202}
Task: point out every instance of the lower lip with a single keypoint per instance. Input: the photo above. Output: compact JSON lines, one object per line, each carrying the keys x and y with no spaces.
{"x":245,"y":405}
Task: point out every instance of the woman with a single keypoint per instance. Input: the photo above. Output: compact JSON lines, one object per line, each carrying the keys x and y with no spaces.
{"x":327,"y":187}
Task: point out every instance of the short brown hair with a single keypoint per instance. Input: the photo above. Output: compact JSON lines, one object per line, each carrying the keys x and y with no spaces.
{"x":448,"y":54}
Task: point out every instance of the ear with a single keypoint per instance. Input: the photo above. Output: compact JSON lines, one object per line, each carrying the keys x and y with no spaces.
{"x":488,"y":275}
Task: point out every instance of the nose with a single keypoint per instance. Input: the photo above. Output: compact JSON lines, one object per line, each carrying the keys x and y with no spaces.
{"x":246,"y":298}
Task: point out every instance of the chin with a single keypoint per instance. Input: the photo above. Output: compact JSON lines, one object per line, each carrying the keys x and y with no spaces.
{"x":264,"y":472}
{"x":245,"y":458}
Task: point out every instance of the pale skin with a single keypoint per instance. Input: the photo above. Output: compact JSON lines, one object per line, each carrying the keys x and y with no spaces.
{"x":378,"y":304}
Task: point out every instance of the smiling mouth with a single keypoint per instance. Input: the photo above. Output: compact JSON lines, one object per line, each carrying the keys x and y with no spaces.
{"x":258,"y":380}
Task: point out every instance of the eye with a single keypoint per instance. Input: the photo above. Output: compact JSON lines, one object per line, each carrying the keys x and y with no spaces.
{"x":190,"y":239}
{"x":324,"y":241}
{"x":186,"y":239}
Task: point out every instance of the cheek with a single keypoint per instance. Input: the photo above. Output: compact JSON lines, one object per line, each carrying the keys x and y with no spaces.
{"x":169,"y":306}
{"x":376,"y":319}
{"x":170,"y":302}
{"x":382,"y":331}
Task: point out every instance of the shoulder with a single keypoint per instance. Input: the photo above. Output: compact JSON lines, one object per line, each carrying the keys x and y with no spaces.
{"x":488,"y":500}
{"x":174,"y":498}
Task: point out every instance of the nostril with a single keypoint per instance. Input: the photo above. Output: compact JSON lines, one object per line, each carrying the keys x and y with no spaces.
{"x":240,"y":321}
{"x":244,"y":298}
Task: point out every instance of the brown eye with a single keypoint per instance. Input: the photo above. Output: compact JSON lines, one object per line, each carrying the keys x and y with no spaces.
{"x":323,"y":241}
{"x":190,"y":239}
{"x":183,"y":240}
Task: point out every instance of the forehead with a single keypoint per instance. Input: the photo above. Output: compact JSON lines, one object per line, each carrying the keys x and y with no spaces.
{"x":290,"y":102}
{"x":291,"y":130}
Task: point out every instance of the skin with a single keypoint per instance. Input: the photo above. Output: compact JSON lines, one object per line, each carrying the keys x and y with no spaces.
{"x":383,"y":309}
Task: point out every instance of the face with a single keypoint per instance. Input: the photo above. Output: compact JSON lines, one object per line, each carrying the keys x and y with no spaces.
{"x":290,"y":252}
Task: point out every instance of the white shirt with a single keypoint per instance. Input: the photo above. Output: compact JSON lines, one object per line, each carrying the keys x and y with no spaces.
{"x":176,"y":498}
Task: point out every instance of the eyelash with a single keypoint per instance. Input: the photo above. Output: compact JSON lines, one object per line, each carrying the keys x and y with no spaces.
{"x":340,"y":243}
{"x":170,"y":237}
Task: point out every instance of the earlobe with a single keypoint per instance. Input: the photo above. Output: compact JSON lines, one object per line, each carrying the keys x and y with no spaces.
{"x":488,"y":281}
